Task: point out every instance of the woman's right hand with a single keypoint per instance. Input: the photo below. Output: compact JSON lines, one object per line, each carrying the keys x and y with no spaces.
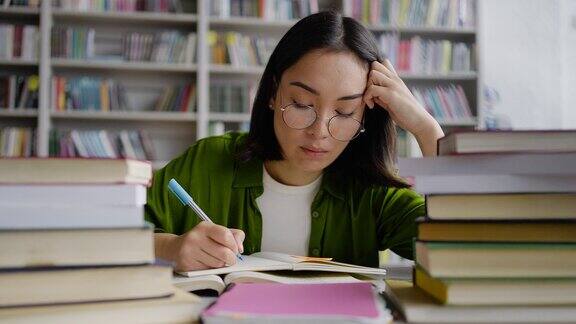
{"x":206,"y":246}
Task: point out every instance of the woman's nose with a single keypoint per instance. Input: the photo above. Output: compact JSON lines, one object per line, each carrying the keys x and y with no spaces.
{"x":319,"y":129}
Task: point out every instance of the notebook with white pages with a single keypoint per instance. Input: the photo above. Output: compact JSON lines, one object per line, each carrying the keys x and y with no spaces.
{"x":277,"y":267}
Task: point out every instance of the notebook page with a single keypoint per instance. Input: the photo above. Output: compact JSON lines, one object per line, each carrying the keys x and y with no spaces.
{"x":250,"y":263}
{"x":338,"y":267}
{"x":289,"y":277}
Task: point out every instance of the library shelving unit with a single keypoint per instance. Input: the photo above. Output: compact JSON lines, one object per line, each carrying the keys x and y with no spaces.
{"x":23,"y":117}
{"x":171,"y":132}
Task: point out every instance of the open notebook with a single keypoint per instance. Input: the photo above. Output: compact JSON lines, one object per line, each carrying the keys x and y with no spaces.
{"x":280,"y":268}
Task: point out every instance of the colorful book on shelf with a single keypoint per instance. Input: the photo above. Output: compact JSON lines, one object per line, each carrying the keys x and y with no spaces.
{"x":265,"y":9}
{"x":497,"y":260}
{"x":19,"y":92}
{"x":47,"y":286}
{"x":418,"y":307}
{"x":74,"y":171}
{"x":529,"y":231}
{"x":268,"y":302}
{"x":502,"y":206}
{"x":16,"y":142}
{"x":538,"y":141}
{"x":76,"y":247}
{"x":497,"y":291}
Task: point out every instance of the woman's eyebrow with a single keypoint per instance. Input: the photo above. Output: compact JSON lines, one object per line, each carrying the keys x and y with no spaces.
{"x":314,"y":91}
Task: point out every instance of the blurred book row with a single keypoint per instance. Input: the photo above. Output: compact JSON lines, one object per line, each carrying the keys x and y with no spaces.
{"x":123,"y":5}
{"x":414,"y":13}
{"x":92,"y":93}
{"x":18,"y":92}
{"x":265,"y":9}
{"x":228,"y":96}
{"x":418,"y":55}
{"x":102,"y":143}
{"x":444,"y":102}
{"x":159,"y":47}
{"x":21,"y":3}
{"x":19,"y":42}
{"x":17,"y":142}
{"x":237,"y":49}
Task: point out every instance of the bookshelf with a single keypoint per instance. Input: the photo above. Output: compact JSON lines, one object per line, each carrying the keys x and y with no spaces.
{"x":172,"y":131}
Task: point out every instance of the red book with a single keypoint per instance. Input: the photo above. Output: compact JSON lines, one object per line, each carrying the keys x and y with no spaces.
{"x":17,"y":49}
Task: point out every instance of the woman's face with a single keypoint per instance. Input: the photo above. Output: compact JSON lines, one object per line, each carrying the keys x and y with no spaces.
{"x":331,"y":83}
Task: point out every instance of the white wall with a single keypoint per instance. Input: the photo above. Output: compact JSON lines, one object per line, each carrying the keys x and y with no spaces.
{"x":568,"y":30}
{"x":524,"y":56}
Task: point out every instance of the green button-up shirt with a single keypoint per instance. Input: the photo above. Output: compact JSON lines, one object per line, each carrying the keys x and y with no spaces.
{"x":349,"y":223}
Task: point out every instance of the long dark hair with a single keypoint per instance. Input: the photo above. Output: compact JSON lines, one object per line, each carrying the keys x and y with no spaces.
{"x":370,"y":158}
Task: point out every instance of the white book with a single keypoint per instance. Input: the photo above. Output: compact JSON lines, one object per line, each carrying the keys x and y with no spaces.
{"x":89,"y":195}
{"x":29,"y":42}
{"x":79,"y":144}
{"x":417,"y":307}
{"x":9,"y":41}
{"x":107,"y":144}
{"x":558,"y":164}
{"x":501,"y":183}
{"x":48,"y":216}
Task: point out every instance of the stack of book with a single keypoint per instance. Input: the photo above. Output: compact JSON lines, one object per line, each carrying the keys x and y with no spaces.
{"x":73,"y":231}
{"x":500,"y":230}
{"x":131,"y":144}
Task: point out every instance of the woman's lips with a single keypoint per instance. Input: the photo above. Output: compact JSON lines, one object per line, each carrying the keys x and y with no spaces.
{"x":313,"y":152}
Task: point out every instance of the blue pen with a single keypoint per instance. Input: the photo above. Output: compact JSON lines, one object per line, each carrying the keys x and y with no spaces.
{"x":185,"y":199}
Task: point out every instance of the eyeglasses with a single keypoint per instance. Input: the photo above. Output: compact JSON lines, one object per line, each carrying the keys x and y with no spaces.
{"x":343,"y":128}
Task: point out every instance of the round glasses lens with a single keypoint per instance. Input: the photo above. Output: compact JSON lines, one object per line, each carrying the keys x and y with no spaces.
{"x":344,"y":128}
{"x":298,"y":116}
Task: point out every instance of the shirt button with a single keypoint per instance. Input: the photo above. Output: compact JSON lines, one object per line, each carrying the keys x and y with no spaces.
{"x":315,"y":214}
{"x":315,"y":252}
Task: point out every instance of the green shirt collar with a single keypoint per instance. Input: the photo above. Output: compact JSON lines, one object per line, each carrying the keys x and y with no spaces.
{"x":249,"y":174}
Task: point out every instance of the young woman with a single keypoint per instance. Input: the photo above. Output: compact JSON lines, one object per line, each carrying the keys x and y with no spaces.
{"x":315,"y":175}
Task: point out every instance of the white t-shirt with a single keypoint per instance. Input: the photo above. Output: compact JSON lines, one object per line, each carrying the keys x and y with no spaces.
{"x":286,"y":215}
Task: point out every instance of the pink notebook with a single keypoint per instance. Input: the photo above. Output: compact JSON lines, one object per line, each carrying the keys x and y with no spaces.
{"x":268,"y":300}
